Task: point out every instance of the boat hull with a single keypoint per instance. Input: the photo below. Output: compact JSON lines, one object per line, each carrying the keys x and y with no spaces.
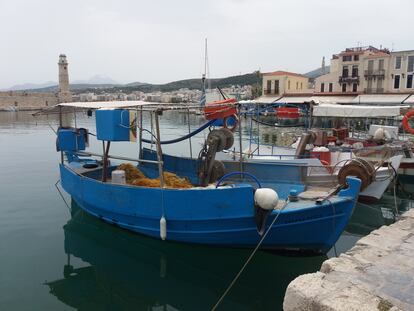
{"x":223,"y":217}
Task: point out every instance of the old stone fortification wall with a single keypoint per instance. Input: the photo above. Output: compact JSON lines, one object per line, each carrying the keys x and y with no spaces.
{"x":376,"y":274}
{"x":26,"y":100}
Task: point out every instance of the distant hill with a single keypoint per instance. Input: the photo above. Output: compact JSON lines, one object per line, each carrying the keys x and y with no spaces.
{"x":246,"y":79}
{"x":30,"y":86}
{"x":316,"y":73}
{"x":97,"y":79}
{"x":88,"y":86}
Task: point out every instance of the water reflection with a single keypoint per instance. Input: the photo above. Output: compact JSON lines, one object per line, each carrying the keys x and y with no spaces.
{"x":129,"y":271}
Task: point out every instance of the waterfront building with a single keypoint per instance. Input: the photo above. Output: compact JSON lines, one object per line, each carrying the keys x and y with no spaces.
{"x":368,"y":70}
{"x":283,"y":82}
{"x":401,"y":72}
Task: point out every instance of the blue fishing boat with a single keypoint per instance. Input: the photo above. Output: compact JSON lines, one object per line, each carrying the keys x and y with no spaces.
{"x":218,"y":209}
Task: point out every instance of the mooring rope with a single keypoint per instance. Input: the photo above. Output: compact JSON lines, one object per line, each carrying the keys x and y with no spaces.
{"x":249,"y":258}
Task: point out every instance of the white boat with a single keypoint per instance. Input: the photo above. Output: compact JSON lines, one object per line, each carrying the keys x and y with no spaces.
{"x":318,"y":172}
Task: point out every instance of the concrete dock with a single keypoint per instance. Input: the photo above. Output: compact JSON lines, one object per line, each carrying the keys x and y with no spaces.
{"x":376,"y":274}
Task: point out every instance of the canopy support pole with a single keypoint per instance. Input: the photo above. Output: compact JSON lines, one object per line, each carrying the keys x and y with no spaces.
{"x":189,"y":132}
{"x":159,"y":151}
{"x":105,"y":160}
{"x":240,"y":142}
{"x":60,"y":125}
{"x":140,"y":134}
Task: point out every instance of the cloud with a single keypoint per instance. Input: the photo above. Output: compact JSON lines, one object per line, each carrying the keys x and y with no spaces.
{"x":159,"y":41}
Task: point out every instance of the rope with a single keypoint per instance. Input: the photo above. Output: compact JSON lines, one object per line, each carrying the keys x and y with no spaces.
{"x":176,"y":140}
{"x":250,"y":258}
{"x":238,"y":173}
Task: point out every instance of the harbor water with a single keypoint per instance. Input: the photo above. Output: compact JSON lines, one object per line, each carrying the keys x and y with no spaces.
{"x":53,"y":256}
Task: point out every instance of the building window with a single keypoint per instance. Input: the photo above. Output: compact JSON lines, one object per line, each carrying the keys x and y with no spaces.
{"x":347,"y":58}
{"x":354,"y":87}
{"x":322,"y":87}
{"x":355,"y":70}
{"x":15,"y":104}
{"x":301,"y":85}
{"x":396,"y":81}
{"x":381,"y":64}
{"x":47,"y":104}
{"x":410,"y":66}
{"x":409,"y":81}
{"x":345,"y":71}
{"x":356,"y":57}
{"x":276,"y":86}
{"x":288,"y":84}
{"x":297,"y":85}
{"x":269,"y":86}
{"x":330,"y":87}
{"x":344,"y":87}
{"x":398,"y":62}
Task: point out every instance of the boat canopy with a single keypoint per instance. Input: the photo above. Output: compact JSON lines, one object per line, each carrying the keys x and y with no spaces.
{"x":315,"y":99}
{"x":356,"y":111}
{"x":388,"y":99}
{"x":130,"y":104}
{"x":409,"y":100}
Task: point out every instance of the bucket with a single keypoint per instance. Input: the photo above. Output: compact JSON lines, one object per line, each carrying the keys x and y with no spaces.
{"x":118,"y":177}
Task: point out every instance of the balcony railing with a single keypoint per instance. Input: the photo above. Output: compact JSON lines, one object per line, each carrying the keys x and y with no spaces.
{"x":374,"y":90}
{"x":349,"y":79}
{"x":376,"y":73}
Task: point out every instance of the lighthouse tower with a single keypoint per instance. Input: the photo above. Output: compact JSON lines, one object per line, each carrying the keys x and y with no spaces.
{"x":64,"y":94}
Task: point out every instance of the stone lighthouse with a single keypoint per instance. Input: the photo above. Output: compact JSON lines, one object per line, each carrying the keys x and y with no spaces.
{"x":64,"y":94}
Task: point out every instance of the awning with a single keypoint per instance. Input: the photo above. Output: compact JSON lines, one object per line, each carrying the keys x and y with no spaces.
{"x":266,"y":99}
{"x":333,"y":99}
{"x":293,"y":99}
{"x":356,"y":111}
{"x":409,"y":100}
{"x":316,"y":99}
{"x":389,"y":99}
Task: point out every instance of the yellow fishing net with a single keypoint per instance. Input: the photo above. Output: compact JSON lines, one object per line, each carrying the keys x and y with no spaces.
{"x":135,"y":177}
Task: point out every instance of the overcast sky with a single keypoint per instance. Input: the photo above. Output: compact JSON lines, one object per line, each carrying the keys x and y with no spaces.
{"x":160,"y":41}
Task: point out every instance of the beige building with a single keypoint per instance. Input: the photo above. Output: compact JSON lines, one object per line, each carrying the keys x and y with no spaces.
{"x":401,"y":71}
{"x":368,"y":70}
{"x":279,"y":83}
{"x":22,"y":100}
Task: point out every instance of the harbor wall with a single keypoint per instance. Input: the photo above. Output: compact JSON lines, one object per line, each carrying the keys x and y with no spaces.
{"x":376,"y":274}
{"x":27,"y":100}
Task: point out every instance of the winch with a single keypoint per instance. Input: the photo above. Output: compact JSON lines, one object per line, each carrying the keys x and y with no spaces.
{"x":210,"y":169}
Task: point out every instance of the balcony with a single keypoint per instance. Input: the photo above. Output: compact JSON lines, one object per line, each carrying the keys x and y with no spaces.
{"x":374,"y":73}
{"x":349,"y":79}
{"x":374,"y":90}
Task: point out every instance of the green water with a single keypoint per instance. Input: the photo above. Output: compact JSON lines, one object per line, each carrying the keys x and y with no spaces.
{"x":52,"y":258}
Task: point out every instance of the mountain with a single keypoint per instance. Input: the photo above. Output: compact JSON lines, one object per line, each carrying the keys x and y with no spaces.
{"x":30,"y":86}
{"x":316,"y":73}
{"x":102,"y":83}
{"x":97,"y":79}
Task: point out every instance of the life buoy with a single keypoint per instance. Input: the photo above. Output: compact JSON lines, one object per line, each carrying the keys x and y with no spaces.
{"x":228,"y":118}
{"x":405,"y":120}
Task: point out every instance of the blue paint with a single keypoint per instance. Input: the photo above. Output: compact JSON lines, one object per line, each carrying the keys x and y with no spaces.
{"x":71,"y":139}
{"x":223,"y":216}
{"x":112,"y":125}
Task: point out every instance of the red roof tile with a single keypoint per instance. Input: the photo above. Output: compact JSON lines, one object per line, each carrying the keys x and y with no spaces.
{"x":283,"y":73}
